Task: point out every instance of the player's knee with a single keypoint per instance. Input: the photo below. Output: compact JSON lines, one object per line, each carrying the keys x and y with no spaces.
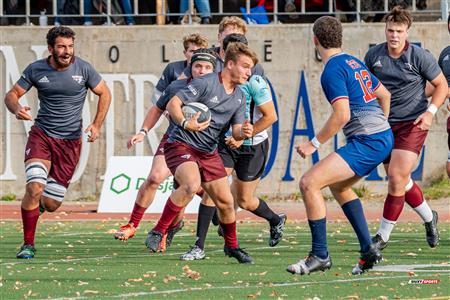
{"x":190,"y":188}
{"x":306,"y":184}
{"x":54,"y":191}
{"x":51,"y":205}
{"x":246,"y":203}
{"x":398,"y":180}
{"x":34,"y":190}
{"x":154,"y":180}
{"x":36,"y":172}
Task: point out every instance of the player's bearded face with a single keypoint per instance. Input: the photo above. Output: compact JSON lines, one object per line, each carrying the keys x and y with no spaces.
{"x":242,"y":69}
{"x":63,"y":51}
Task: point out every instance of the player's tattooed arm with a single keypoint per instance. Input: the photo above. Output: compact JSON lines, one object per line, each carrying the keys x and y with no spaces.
{"x":104,"y":100}
{"x":13,"y":105}
{"x":384,"y":99}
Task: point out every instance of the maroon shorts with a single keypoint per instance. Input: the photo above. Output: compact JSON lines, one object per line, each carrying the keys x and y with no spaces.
{"x":62,"y":153}
{"x":210,"y":164}
{"x":408,"y":136}
{"x":160,"y":150}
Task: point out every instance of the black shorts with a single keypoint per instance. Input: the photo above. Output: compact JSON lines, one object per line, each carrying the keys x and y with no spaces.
{"x":248,"y":161}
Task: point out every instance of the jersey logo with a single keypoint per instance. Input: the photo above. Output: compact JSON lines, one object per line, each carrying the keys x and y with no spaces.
{"x":214,"y":100}
{"x":78,"y":78}
{"x":239,"y":100}
{"x":186,"y":156}
{"x":44,"y":80}
{"x":377,"y":64}
{"x":27,"y":152}
{"x":353,"y":64}
{"x":446,"y":58}
{"x":192,"y":89}
{"x":410,"y":67}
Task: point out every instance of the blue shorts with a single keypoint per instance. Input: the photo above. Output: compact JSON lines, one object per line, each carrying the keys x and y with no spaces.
{"x":363,"y":153}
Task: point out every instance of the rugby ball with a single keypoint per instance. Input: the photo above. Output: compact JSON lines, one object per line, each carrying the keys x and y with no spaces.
{"x":190,"y":109}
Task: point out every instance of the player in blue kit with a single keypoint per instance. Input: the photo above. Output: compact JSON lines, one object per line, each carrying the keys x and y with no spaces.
{"x":360,"y":107}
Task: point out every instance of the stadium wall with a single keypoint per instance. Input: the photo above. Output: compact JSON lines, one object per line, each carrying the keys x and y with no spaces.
{"x":131,"y":60}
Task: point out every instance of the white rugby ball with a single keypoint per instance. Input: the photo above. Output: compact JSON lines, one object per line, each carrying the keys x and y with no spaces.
{"x":190,"y":109}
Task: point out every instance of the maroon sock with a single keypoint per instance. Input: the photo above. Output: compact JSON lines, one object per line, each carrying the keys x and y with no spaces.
{"x":414,"y":197}
{"x":229,"y":234}
{"x":29,"y":220}
{"x":169,"y":213}
{"x":393,"y":207}
{"x":200,"y":193}
{"x":137,"y":214}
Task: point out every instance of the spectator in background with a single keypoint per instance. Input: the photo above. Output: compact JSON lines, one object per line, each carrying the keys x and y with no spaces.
{"x":203,"y":8}
{"x":128,"y":11}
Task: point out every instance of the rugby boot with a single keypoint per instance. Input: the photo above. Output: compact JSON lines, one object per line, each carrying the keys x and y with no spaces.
{"x":368,"y":260}
{"x":153,"y":240}
{"x":172,"y":231}
{"x":377,"y":240}
{"x":431,"y":231}
{"x":276,"y":232}
{"x":26,"y":252}
{"x":238,"y":253}
{"x":125,"y":232}
{"x":310,"y":264}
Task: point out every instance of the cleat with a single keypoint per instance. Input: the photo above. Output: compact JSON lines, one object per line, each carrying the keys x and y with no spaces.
{"x":377,"y":240}
{"x":163,"y":244}
{"x":172,"y":231}
{"x":310,"y":264}
{"x":125,"y":232}
{"x":432,"y":231}
{"x":276,"y":232}
{"x":195,"y":253}
{"x":239,"y":254}
{"x":368,"y":260}
{"x":220,"y":230}
{"x":153,"y":241}
{"x":26,"y":252}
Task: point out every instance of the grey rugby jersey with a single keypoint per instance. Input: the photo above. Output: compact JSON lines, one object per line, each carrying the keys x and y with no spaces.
{"x":61,"y":95}
{"x":404,"y":77}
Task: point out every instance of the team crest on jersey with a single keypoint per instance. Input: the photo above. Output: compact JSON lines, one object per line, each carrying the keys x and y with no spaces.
{"x":186,"y":156}
{"x":192,"y":89}
{"x":377,"y":64}
{"x":353,"y":64}
{"x":78,"y":78}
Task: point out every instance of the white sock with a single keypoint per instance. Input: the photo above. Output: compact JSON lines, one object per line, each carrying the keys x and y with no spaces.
{"x":409,"y":185}
{"x":386,"y":227}
{"x":424,"y":211}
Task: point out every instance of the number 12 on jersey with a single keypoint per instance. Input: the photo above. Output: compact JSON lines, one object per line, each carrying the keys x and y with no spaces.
{"x":365,"y":82}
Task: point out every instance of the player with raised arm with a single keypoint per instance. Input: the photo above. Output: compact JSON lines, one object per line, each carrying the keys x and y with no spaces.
{"x":54,"y":141}
{"x":360,"y":107}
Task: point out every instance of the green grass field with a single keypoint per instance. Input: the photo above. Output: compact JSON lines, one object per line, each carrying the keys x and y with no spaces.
{"x":81,"y":260}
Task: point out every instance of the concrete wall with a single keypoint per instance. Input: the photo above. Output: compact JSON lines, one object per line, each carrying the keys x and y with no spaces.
{"x":286,"y":53}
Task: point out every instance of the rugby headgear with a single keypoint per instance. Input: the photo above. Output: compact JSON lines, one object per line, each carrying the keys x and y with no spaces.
{"x":204,"y":55}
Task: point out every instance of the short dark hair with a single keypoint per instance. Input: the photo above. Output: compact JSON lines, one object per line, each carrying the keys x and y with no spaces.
{"x":234,"y":38}
{"x":237,"y":49}
{"x":328,"y":31}
{"x":59,"y":31}
{"x":399,"y":15}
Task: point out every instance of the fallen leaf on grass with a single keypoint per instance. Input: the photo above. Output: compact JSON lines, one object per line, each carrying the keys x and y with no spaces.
{"x":225,"y":273}
{"x":169,"y":278}
{"x":342,"y":241}
{"x":354,"y":296}
{"x":150,"y":274}
{"x":112,"y":231}
{"x":263,"y":273}
{"x":411,"y":273}
{"x":82,"y":282}
{"x":135,"y":279}
{"x":90,"y":292}
{"x":383,"y":298}
{"x":274,"y":294}
{"x":411,"y":254}
{"x":253,"y":296}
{"x":190,"y":273}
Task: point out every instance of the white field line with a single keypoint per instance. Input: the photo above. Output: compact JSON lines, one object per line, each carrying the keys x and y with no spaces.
{"x":231,"y":287}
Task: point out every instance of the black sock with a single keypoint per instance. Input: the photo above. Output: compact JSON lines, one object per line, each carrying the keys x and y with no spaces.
{"x":264,"y":211}
{"x":215,"y":219}
{"x":205,"y":214}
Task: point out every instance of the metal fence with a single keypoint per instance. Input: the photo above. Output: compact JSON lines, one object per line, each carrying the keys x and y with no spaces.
{"x":162,"y":12}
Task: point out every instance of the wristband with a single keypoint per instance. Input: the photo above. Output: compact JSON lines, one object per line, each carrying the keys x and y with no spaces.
{"x":315,"y":142}
{"x":432,"y":109}
{"x":143,"y":131}
{"x":183,"y":123}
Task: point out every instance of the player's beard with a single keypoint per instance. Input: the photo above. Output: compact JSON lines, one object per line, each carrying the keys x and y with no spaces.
{"x":59,"y":59}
